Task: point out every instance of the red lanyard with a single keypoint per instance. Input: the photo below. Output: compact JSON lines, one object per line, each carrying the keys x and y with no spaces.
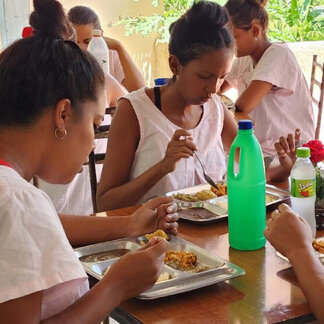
{"x":2,"y":162}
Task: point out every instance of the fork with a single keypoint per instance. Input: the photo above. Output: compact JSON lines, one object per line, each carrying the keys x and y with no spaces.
{"x":206,"y":176}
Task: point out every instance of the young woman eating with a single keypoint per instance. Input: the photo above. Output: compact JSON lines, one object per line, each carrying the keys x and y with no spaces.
{"x":155,"y":131}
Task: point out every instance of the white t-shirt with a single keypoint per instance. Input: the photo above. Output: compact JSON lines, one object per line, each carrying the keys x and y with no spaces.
{"x":287,"y":106}
{"x":35,"y":254}
{"x":156,"y":131}
{"x":115,"y":67}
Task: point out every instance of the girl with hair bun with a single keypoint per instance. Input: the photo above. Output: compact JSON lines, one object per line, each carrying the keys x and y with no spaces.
{"x":154,"y":153}
{"x":271,"y":86}
{"x":51,"y":100}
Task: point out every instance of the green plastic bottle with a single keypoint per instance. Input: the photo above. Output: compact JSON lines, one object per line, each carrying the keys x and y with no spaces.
{"x":246,"y":191}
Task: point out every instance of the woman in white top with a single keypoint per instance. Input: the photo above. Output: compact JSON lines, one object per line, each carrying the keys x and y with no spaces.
{"x":155,"y":131}
{"x":121,"y":66}
{"x":52,"y":98}
{"x":271,"y":86}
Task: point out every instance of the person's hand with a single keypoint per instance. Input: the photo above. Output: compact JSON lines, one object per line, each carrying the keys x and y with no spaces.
{"x":112,"y":44}
{"x":138,"y":270}
{"x":180,"y":147}
{"x":158,"y":213}
{"x":288,"y":232}
{"x":286,"y":150}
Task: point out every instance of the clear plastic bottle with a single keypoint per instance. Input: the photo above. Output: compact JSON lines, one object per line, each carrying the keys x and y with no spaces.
{"x":303,"y":187}
{"x":246,"y":191}
{"x":99,"y":49}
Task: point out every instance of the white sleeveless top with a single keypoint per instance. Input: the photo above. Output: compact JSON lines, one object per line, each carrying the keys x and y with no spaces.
{"x":156,"y":131}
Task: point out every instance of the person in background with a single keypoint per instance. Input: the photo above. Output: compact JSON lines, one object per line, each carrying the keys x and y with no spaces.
{"x":75,"y":197}
{"x":121,"y":66}
{"x":154,"y":154}
{"x":291,"y":235}
{"x":271,"y":86}
{"x":52,"y":98}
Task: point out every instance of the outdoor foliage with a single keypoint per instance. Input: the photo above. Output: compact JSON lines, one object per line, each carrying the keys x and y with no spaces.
{"x":295,"y":21}
{"x":172,"y":10}
{"x":290,"y":20}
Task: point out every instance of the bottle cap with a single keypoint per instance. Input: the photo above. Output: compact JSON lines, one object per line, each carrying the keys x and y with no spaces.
{"x":27,"y":32}
{"x":303,"y":152}
{"x":245,"y":124}
{"x":96,"y":32}
{"x":161,"y":81}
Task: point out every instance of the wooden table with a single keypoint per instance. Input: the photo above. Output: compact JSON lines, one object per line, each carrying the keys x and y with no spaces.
{"x":267,"y":293}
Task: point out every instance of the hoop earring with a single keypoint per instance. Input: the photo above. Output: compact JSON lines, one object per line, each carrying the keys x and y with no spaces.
{"x":56,"y":133}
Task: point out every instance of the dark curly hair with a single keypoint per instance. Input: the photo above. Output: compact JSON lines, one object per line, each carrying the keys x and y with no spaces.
{"x":36,"y":72}
{"x":204,"y":28}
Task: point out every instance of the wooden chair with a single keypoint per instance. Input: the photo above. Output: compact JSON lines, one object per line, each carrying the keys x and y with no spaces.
{"x":98,"y":158}
{"x":317,"y":69}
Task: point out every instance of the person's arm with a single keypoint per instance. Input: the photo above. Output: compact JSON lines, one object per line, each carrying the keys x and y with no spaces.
{"x":133,"y":77}
{"x":252,"y":96}
{"x":158,"y":213}
{"x":229,"y":129}
{"x":113,"y":90}
{"x":126,"y":278}
{"x":115,"y":190}
{"x":291,"y":235}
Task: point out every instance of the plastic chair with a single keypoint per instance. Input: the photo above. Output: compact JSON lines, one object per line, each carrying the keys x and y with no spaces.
{"x":317,"y":69}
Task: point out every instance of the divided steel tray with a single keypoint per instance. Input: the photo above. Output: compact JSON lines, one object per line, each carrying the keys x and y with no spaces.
{"x":97,"y":258}
{"x":216,"y":209}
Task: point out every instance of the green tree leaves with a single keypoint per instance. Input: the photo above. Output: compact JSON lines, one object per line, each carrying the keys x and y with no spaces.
{"x":290,"y":20}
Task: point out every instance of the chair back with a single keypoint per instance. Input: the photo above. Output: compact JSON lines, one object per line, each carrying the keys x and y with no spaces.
{"x":98,"y":158}
{"x":317,"y":80}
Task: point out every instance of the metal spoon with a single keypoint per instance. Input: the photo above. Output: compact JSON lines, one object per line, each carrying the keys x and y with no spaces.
{"x":206,"y":176}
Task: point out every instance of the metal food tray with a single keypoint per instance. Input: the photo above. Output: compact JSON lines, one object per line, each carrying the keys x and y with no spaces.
{"x":320,"y":255}
{"x":205,"y":212}
{"x":181,"y":281}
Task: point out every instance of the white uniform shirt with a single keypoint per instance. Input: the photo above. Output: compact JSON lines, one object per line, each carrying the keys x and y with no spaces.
{"x":287,"y":106}
{"x":35,"y":254}
{"x":156,"y":131}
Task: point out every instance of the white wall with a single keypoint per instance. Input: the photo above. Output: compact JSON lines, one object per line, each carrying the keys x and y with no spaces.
{"x":14,"y":15}
{"x":141,"y":49}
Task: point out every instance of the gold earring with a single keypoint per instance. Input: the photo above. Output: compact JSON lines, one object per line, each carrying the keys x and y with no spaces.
{"x":56,"y":133}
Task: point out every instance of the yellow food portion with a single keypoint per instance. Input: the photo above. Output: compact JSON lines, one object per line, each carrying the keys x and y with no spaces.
{"x":159,"y":233}
{"x":164,"y":276}
{"x":221,"y":189}
{"x":270,"y":199}
{"x":181,"y":260}
{"x":318,"y":246}
{"x":198,"y":196}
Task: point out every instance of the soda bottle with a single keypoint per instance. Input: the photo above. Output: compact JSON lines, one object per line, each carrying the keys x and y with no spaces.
{"x":99,"y":49}
{"x":303,"y":187}
{"x":246,"y":191}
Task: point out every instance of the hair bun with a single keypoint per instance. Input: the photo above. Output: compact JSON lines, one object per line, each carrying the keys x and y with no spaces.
{"x":49,"y":18}
{"x":258,"y":3}
{"x":206,"y":13}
